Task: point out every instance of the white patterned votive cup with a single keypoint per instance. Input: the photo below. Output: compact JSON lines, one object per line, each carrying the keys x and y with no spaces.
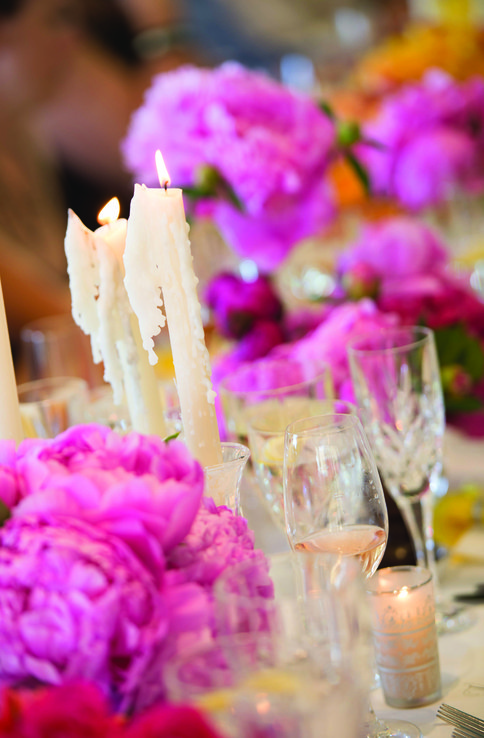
{"x":405,"y":635}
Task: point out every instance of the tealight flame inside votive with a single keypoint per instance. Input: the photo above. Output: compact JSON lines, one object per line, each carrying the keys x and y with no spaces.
{"x":403,"y":593}
{"x":163,"y":175}
{"x":110,"y":212}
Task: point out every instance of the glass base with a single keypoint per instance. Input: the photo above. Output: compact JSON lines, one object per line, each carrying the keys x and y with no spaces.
{"x":393,"y":729}
{"x":453,"y":618}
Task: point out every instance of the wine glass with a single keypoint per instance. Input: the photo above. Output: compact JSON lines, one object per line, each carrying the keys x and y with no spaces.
{"x":396,"y":380}
{"x":241,"y":403}
{"x":334,"y":503}
{"x":266,"y":441}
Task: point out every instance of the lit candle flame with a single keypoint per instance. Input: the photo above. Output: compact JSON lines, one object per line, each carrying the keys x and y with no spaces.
{"x":403,"y":593}
{"x":163,"y":175}
{"x":110,"y":212}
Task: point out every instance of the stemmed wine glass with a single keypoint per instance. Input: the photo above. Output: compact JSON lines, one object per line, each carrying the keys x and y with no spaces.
{"x":397,"y":384}
{"x":334,"y":503}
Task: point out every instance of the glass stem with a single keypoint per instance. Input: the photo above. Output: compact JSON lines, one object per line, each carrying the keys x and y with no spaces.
{"x":417,"y":515}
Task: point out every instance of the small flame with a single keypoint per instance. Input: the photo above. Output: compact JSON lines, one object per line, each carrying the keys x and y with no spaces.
{"x":110,"y":212}
{"x":403,"y":593}
{"x":163,"y":175}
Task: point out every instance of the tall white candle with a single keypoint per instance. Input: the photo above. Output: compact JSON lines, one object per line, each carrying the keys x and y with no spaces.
{"x":10,"y":423}
{"x":101,"y":308}
{"x":158,"y":261}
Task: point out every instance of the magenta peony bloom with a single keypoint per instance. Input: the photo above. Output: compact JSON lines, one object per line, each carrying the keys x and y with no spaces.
{"x":144,"y":490}
{"x":396,"y":249}
{"x":327,"y":343}
{"x":237,"y":305}
{"x":415,"y":281}
{"x":271,"y":144}
{"x":432,"y":141}
{"x":75,"y":604}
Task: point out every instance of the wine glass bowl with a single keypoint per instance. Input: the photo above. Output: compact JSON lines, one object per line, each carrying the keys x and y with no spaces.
{"x":266,"y":441}
{"x":333,"y":496}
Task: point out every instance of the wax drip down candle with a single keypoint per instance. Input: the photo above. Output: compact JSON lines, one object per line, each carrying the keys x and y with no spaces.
{"x":159,"y":271}
{"x":101,"y":308}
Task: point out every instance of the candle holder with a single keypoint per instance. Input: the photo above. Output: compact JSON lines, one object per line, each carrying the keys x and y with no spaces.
{"x":405,"y":635}
{"x":222,"y":481}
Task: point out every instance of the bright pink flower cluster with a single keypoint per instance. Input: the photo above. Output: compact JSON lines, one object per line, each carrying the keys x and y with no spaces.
{"x":272,"y":145}
{"x":431,"y":141}
{"x":108,"y":563}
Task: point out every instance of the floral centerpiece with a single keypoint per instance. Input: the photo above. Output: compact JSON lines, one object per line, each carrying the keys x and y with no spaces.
{"x":254,"y":152}
{"x":431,"y":143}
{"x":108,"y":562}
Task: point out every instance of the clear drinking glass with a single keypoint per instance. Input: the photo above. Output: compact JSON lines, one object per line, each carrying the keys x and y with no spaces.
{"x":333,"y":496}
{"x":240,"y":406}
{"x":300,"y":658}
{"x":266,"y":442}
{"x":396,"y":380}
{"x":334,"y":502}
{"x":56,"y":347}
{"x":50,"y":406}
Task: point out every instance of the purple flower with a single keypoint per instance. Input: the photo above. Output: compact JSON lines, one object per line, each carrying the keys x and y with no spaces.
{"x":75,"y":603}
{"x":237,"y":305}
{"x":144,"y":490}
{"x":432,"y":141}
{"x":272,"y":146}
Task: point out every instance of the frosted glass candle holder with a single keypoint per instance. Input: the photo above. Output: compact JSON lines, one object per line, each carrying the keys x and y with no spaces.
{"x":405,"y":635}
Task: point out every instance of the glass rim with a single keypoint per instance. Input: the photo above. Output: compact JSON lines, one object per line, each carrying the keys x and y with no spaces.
{"x":46,"y":384}
{"x":243,"y":455}
{"x":255,"y":424}
{"x":324,"y":373}
{"x":343,"y":422}
{"x":390,"y":590}
{"x":426,"y":334}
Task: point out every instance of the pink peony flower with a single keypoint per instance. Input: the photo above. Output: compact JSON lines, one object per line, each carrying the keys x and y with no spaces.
{"x":327,"y":343}
{"x":238,"y":305}
{"x":271,"y":144}
{"x":144,"y":490}
{"x":76,"y":604}
{"x":432,"y":141}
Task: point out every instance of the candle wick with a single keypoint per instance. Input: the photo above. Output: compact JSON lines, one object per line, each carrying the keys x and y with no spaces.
{"x":166,"y":185}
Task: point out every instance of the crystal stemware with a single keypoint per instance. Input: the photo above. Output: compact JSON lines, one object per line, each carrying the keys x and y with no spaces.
{"x":397,"y":384}
{"x":266,"y":441}
{"x":334,"y":502}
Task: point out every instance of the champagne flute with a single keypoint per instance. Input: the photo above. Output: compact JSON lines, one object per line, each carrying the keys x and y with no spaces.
{"x":397,"y":383}
{"x":334,"y":503}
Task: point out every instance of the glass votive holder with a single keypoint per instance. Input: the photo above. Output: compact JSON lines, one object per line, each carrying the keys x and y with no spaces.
{"x":50,"y":406}
{"x":222,"y":481}
{"x":402,"y":605}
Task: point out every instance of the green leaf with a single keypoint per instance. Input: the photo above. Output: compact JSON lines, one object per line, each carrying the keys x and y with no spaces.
{"x":359,"y":170}
{"x":327,"y":109}
{"x":455,"y":346}
{"x":173,"y":437}
{"x":347,"y":133}
{"x":465,"y":404}
{"x":5,"y":513}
